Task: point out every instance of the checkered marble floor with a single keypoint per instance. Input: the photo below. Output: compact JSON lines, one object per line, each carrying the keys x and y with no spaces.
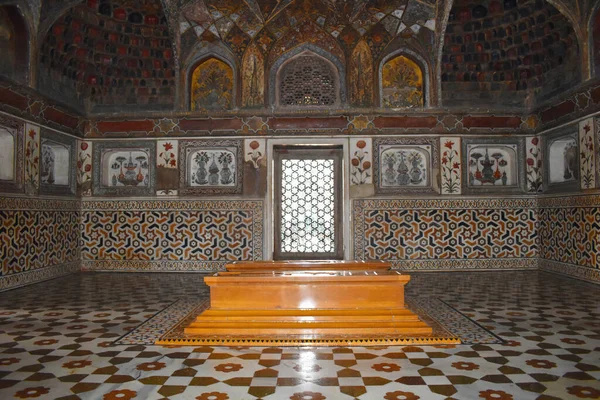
{"x":57,"y":340}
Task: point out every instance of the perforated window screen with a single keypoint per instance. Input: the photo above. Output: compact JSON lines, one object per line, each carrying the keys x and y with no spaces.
{"x":307,"y":81}
{"x":308,"y":195}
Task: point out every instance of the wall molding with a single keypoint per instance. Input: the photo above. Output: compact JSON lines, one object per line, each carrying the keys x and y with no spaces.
{"x":14,"y":281}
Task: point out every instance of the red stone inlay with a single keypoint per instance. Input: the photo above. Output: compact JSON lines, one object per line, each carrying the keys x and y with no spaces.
{"x":491,"y":122}
{"x":405,"y":122}
{"x":125,"y":126}
{"x":595,"y":93}
{"x":210,"y":124}
{"x":560,"y":110}
{"x":13,"y":99}
{"x":59,"y":117}
{"x":308,"y":123}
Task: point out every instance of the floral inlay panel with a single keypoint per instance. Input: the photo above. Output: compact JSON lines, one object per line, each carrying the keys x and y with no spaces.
{"x":167,"y":173}
{"x":450,"y":165}
{"x":57,"y":161}
{"x":84,"y":167}
{"x":32,"y":158}
{"x":534,"y":164}
{"x":361,"y":161}
{"x":210,"y":167}
{"x":587,"y":161}
{"x":402,"y":84}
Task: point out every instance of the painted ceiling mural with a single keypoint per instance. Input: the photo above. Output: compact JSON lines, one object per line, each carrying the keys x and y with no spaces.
{"x":112,"y":55}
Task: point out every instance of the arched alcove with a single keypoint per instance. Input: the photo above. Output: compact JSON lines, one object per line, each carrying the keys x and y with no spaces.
{"x":403,"y":80}
{"x":14,"y":44}
{"x":211,"y":85}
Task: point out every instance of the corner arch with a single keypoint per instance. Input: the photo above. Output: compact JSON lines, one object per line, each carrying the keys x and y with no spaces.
{"x":15,"y":44}
{"x":419,"y":61}
{"x":306,"y":48}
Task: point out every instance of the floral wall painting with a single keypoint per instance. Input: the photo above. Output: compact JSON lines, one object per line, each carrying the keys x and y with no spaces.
{"x":255,"y":152}
{"x":450,"y":165}
{"x":126,"y":168}
{"x":8,"y":154}
{"x":493,"y":165}
{"x":57,"y":163}
{"x":361,"y":161}
{"x":361,"y":75}
{"x":84,"y":168}
{"x":587,"y":161}
{"x":402,"y":84}
{"x":32,"y":158}
{"x":253,"y":78}
{"x":210,"y":167}
{"x":405,"y":164}
{"x":534,"y":164}
{"x":211,"y":86}
{"x":167,"y":172}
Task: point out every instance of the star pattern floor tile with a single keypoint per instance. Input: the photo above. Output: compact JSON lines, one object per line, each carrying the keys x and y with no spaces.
{"x":89,"y":335}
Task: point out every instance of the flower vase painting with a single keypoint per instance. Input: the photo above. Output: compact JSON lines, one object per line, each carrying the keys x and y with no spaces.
{"x":563,"y":156}
{"x":212,"y":168}
{"x":404,"y":166}
{"x":492,"y":165}
{"x":128,"y":168}
{"x":55,"y":163}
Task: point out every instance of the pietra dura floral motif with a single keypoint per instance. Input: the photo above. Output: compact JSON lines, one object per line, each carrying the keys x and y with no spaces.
{"x":167,"y":174}
{"x":211,"y":86}
{"x":450,"y":165}
{"x":361,"y":161}
{"x":534,"y":164}
{"x":404,"y":164}
{"x":32,"y":158}
{"x":587,"y":160}
{"x":84,"y":167}
{"x":210,"y":167}
{"x":124,"y":168}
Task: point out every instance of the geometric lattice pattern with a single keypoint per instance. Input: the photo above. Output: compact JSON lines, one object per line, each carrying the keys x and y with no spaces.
{"x":61,"y":345}
{"x":167,"y":235}
{"x":308,"y":81}
{"x":390,"y":230}
{"x":37,"y":239}
{"x":570,"y":235}
{"x":307,"y":206}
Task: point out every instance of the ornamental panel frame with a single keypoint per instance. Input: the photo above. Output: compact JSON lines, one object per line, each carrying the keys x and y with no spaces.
{"x":15,"y":185}
{"x":70,"y":144}
{"x":518,"y":146}
{"x":568,"y":132}
{"x":103,"y":149}
{"x":187,"y":148}
{"x":425,"y":145}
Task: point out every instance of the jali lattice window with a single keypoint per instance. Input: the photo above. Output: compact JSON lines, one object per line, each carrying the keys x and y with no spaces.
{"x":307,"y":204}
{"x":308,"y":81}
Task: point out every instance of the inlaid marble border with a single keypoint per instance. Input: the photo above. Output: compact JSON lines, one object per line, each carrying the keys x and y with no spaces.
{"x":573,"y":271}
{"x":38,"y":204}
{"x":153,"y":266}
{"x":8,"y":282}
{"x":465,"y":264}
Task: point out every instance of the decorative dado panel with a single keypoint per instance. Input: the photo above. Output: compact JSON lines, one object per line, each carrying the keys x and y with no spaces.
{"x":38,"y":240}
{"x":173,"y":235}
{"x":569,"y":229}
{"x":443,"y":231}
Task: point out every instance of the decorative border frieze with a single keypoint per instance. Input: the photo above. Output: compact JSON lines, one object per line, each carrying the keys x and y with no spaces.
{"x":465,"y":264}
{"x":37,"y":275}
{"x":152,"y":266}
{"x":573,"y":271}
{"x":38,"y":204}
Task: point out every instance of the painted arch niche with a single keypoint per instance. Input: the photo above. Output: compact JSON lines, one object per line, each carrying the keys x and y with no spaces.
{"x":361,"y":75}
{"x":14,"y":44}
{"x":211,"y":86}
{"x":253,"y":77}
{"x":402,"y":83}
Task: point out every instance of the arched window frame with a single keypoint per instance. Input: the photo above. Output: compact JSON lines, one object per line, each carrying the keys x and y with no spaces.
{"x":421,"y":63}
{"x":312,"y":50}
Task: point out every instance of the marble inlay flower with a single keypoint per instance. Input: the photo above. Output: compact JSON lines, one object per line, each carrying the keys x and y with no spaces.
{"x":9,"y":361}
{"x":386,"y":367}
{"x":213,"y":396}
{"x":45,"y":342}
{"x":32,"y":392}
{"x":466,"y":366}
{"x":399,"y":395}
{"x":77,"y":364}
{"x":124,"y":394}
{"x":228,"y":367}
{"x":307,"y":396}
{"x":151,"y":366}
{"x":545,"y":364}
{"x":495,"y":395}
{"x":584,"y":392}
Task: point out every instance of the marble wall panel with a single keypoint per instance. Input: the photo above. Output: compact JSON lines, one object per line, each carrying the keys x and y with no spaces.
{"x":451,"y":165}
{"x":587,"y":154}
